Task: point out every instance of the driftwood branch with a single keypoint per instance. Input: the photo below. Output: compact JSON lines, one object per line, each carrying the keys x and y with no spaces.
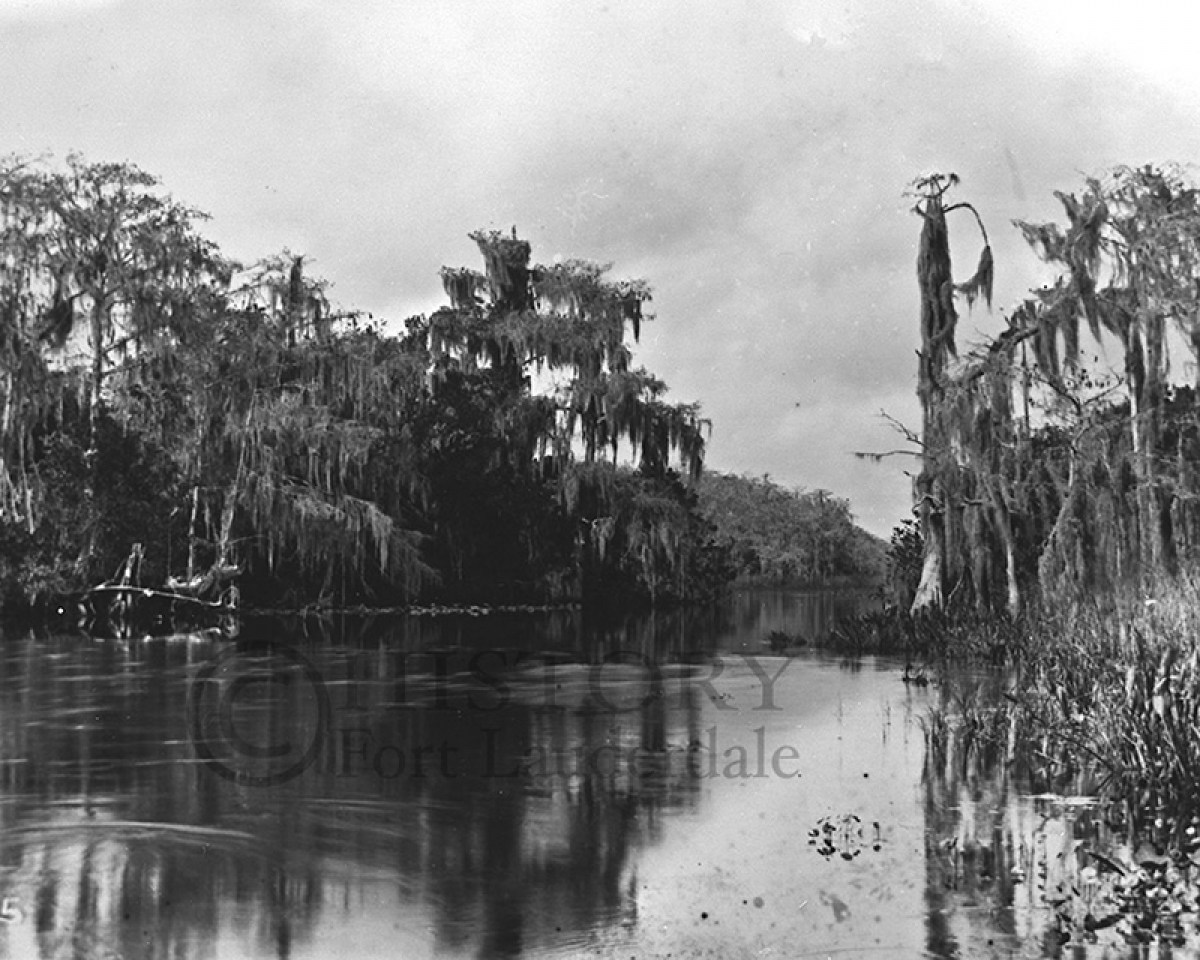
{"x":150,"y":592}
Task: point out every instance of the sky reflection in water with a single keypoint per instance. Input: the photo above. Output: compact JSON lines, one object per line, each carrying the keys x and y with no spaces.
{"x":547,"y":804}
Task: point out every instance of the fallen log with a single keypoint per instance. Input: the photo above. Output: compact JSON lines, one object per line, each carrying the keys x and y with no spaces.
{"x":149,"y":592}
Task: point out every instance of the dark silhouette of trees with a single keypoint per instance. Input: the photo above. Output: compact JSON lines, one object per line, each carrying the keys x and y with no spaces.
{"x":504,"y":448}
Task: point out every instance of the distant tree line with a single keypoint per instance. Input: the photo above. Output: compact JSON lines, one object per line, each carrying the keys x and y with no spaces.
{"x":779,"y":536}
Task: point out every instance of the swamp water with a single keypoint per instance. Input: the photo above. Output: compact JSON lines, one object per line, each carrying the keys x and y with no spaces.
{"x":508,"y":786}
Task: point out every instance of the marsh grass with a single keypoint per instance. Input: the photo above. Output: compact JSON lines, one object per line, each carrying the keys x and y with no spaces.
{"x":969,"y":732}
{"x":1083,"y":697}
{"x":1115,"y":685}
{"x":1098,"y":697}
{"x":929,"y":636}
{"x":1107,"y":685}
{"x":1111,"y":688}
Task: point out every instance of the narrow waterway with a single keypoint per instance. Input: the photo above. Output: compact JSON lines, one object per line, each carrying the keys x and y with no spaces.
{"x":506,"y":786}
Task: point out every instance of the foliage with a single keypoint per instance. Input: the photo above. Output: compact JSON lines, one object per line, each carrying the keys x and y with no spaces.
{"x":781,"y":536}
{"x":930,"y":636}
{"x":590,"y":521}
{"x":939,"y":487}
{"x":1041,"y":471}
{"x":904,"y":557}
{"x":1114,"y":685}
{"x":235,"y":421}
{"x":1102,"y":701}
{"x":1129,"y":261}
{"x":126,"y":494}
{"x":653,"y":543}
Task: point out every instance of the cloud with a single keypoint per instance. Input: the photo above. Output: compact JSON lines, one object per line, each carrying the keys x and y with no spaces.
{"x":748,"y":160}
{"x":47,"y":9}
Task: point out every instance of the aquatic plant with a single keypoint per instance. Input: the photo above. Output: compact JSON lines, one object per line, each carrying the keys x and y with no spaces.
{"x":1104,"y":700}
{"x":1122,"y":683}
{"x":930,"y":636}
{"x":780,"y":640}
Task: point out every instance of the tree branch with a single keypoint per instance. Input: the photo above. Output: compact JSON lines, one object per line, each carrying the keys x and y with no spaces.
{"x":978,"y":218}
{"x":877,"y":457}
{"x":910,"y":435}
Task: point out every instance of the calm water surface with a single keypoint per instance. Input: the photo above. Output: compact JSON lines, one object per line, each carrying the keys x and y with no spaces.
{"x":504,"y":786}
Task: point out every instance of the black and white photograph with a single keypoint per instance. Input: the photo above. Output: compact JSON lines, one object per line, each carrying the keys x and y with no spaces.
{"x":599,"y":479}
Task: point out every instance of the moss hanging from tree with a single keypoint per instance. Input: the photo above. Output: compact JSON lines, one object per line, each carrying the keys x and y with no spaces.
{"x":937,"y":506}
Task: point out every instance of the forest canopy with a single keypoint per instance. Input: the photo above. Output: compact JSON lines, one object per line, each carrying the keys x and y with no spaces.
{"x":778,"y":536}
{"x":229,"y":424}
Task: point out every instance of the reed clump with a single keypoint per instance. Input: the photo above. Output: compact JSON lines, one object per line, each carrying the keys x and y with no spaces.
{"x":1108,"y":685}
{"x":930,"y":635}
{"x":1115,"y":684}
{"x":1101,"y":697}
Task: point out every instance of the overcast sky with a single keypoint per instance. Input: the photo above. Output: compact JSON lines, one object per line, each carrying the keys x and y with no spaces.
{"x":747,"y":159}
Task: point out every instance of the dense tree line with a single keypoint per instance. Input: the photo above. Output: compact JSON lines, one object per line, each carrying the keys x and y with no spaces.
{"x":504,"y":448}
{"x":794,"y":537}
{"x":1045,"y":470}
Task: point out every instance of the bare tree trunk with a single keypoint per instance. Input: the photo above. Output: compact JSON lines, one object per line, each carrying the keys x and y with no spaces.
{"x":937,"y":332}
{"x":1144,"y":367}
{"x":1162,"y":537}
{"x":931,"y":589}
{"x":1025,"y":385}
{"x":1003,"y":521}
{"x":193,"y":541}
{"x":938,"y":322}
{"x":9,"y":495}
{"x":99,"y":308}
{"x":929,"y":592}
{"x":95,"y":409}
{"x":225,"y":543}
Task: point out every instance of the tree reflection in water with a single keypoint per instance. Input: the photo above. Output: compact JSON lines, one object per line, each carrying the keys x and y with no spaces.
{"x":117,"y":842}
{"x":1002,"y":846}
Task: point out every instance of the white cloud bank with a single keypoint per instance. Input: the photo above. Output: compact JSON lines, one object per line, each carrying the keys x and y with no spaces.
{"x":748,"y":159}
